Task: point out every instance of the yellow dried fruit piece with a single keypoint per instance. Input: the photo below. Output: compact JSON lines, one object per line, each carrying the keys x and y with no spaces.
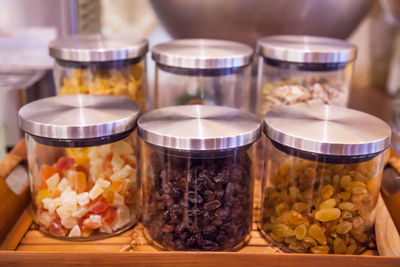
{"x":359,"y":176}
{"x":359,"y":190}
{"x":294,"y":192}
{"x":301,"y":231}
{"x":327,"y":191}
{"x":345,"y":180}
{"x":284,"y":170}
{"x":346,"y":206}
{"x":300,"y":206}
{"x":336,"y":179}
{"x":356,"y":184}
{"x":316,"y":232}
{"x":339,"y":247}
{"x":281,"y":208}
{"x":320,"y":250}
{"x":344,"y":227}
{"x":327,"y":215}
{"x":296,"y":218}
{"x":344,"y":195}
{"x":282,"y":230}
{"x":275,"y":237}
{"x":351,"y":249}
{"x":310,"y":241}
{"x":327,"y":204}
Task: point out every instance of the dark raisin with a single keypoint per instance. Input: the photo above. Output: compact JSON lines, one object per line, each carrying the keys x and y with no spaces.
{"x":212,"y":205}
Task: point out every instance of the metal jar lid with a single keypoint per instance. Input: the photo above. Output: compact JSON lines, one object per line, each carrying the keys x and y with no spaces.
{"x":199,"y":128}
{"x":202,"y":54}
{"x":327,"y":130}
{"x":306,"y":49}
{"x":97,"y":48}
{"x":79,"y":116}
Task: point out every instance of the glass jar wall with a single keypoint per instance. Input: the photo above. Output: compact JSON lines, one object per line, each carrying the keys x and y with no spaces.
{"x":303,"y":69}
{"x":203,"y":71}
{"x":197,"y":184}
{"x":95,"y":64}
{"x":82,"y":164}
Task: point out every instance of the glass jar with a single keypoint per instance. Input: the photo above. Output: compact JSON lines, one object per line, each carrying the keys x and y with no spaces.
{"x":82,"y":158}
{"x":197,"y":184}
{"x":323,"y":177}
{"x":203,"y":71}
{"x":303,"y":69}
{"x":100,"y":65}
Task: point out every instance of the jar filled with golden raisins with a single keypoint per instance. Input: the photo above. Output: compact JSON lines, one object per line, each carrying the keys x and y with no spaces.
{"x":322,"y":178}
{"x":100,"y":65}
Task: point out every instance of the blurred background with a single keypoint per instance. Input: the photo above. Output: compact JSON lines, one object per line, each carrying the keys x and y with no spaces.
{"x":26,"y":27}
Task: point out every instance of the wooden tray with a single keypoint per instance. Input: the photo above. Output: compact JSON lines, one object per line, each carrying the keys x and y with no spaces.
{"x":24,"y":245}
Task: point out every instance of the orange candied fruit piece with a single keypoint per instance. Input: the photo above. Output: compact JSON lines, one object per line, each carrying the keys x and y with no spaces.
{"x":128,"y":161}
{"x":42,"y":194}
{"x":46,"y":172}
{"x":116,"y":185}
{"x":78,"y":180}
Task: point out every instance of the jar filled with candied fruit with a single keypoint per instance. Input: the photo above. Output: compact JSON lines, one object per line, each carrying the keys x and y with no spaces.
{"x":100,"y":65}
{"x":322,"y":178}
{"x":197,"y":178}
{"x":82,"y":158}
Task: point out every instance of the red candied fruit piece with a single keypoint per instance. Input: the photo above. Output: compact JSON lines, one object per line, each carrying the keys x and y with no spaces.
{"x":109,"y":216}
{"x":46,"y":172}
{"x":99,"y":205}
{"x":56,"y":228}
{"x":107,"y":162}
{"x":64,"y":163}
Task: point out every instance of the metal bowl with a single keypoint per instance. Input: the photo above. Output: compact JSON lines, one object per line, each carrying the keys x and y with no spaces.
{"x":246,"y":21}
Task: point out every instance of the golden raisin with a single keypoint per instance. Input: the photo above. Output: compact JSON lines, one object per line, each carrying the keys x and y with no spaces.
{"x":300,"y":206}
{"x":343,"y":227}
{"x":351,"y":249}
{"x":282,"y":230}
{"x":296,"y":218}
{"x":339,"y":247}
{"x":327,"y":191}
{"x":346,"y":206}
{"x":281,"y":208}
{"x":310,"y":240}
{"x":320,"y":250}
{"x":301,"y":231}
{"x":327,"y":204}
{"x":326,"y":215}
{"x":345,"y":180}
{"x":316,"y":232}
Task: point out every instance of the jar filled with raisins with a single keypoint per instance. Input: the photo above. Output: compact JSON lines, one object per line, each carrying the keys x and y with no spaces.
{"x":82,"y":158}
{"x":197,"y":177}
{"x":322,"y":179}
{"x":100,"y":65}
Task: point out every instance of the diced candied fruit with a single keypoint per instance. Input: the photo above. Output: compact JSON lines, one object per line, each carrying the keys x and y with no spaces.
{"x":339,"y":246}
{"x":44,"y":219}
{"x":46,"y":172}
{"x":283,"y":230}
{"x":103,"y":183}
{"x":93,"y":222}
{"x":75,"y":232}
{"x":64,"y":163}
{"x":105,"y":229}
{"x":118,"y":200}
{"x":77,"y":181}
{"x":56,"y":228}
{"x":346,"y":206}
{"x":116,"y":185}
{"x":99,"y":205}
{"x":108,"y":195}
{"x":326,"y":215}
{"x":327,"y":204}
{"x":48,"y":204}
{"x":107,"y":161}
{"x":69,"y":222}
{"x":327,"y":191}
{"x":117,"y":163}
{"x":123,"y":217}
{"x":95,"y":191}
{"x":316,"y":232}
{"x":109,"y":216}
{"x":320,"y":250}
{"x":301,"y":231}
{"x":53,"y":181}
{"x":124,"y":173}
{"x":83,"y":198}
{"x":42,"y":194}
{"x":64,"y":211}
{"x":80,"y":155}
{"x":64,"y":183}
{"x":130,"y":160}
{"x":79,"y":213}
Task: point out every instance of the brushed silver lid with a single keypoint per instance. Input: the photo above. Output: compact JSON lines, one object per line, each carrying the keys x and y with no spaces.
{"x":306,"y":49}
{"x":79,"y":116}
{"x":202,"y":54}
{"x":199,"y":128}
{"x":327,"y":130}
{"x":97,"y":48}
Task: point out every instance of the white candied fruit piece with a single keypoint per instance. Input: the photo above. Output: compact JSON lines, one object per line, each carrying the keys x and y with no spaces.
{"x":69,"y":197}
{"x":69,"y":222}
{"x":48,"y":204}
{"x":123,"y":217}
{"x":122,"y":148}
{"x":117,"y":163}
{"x":53,"y":181}
{"x":95,"y":168}
{"x":64,"y":212}
{"x":44,"y":219}
{"x":119,"y":200}
{"x":96,"y":218}
{"x":57,"y":201}
{"x":103,"y":183}
{"x":75,"y":231}
{"x":63,"y":184}
{"x":83,"y":198}
{"x":79,"y":213}
{"x":125,"y":172}
{"x":105,"y":229}
{"x":126,"y":186}
{"x":95,"y":192}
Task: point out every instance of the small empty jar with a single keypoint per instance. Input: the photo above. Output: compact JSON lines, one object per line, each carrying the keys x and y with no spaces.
{"x":197,"y":177}
{"x":82,"y":162}
{"x":203,"y":71}
{"x":323,"y":178}
{"x":303,"y":69}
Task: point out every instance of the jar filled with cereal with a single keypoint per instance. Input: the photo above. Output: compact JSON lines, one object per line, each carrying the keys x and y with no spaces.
{"x":323,"y":177}
{"x":82,"y":161}
{"x":303,"y":69}
{"x":100,"y":65}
